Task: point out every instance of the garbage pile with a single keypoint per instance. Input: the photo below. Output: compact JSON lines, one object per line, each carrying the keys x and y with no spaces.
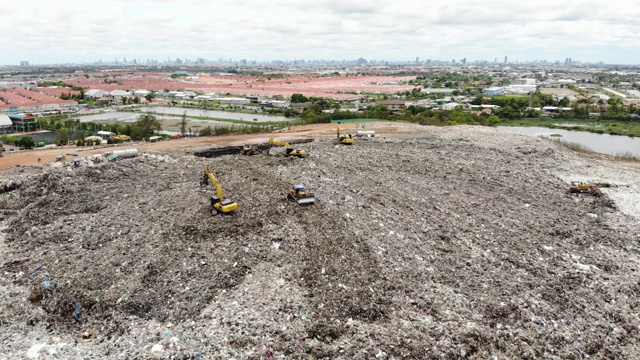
{"x":451,"y":245}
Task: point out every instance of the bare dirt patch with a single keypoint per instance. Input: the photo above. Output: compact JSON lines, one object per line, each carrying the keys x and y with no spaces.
{"x":558,"y":91}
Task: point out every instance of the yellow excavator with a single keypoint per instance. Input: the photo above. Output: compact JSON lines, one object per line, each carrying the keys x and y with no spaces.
{"x":251,"y":150}
{"x":218,"y":203}
{"x":289,"y":150}
{"x":299,"y":194}
{"x":121,"y":138}
{"x":343,"y":137}
{"x":583,"y":188}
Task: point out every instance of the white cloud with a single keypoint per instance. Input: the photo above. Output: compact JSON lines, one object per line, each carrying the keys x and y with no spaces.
{"x":77,"y":30}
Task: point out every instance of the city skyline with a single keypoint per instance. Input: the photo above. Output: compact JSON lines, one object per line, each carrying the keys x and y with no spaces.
{"x":72,"y":31}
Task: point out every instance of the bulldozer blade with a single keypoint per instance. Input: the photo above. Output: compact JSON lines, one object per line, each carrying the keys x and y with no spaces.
{"x":306,"y":201}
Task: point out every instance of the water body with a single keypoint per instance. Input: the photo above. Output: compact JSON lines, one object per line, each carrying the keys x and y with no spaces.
{"x":216,"y":114}
{"x":110,"y":116}
{"x":602,"y":143}
{"x":131,"y":117}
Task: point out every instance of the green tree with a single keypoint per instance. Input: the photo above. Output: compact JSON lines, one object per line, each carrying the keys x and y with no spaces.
{"x":183,"y":124}
{"x":478,"y":100}
{"x":26,"y":142}
{"x":298,"y":98}
{"x":147,"y":124}
{"x":493,"y":120}
{"x":208,"y":131}
{"x":62,"y":136}
{"x":150,"y":96}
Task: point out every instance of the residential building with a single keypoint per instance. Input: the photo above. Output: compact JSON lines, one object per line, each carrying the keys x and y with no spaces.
{"x":393,"y":105}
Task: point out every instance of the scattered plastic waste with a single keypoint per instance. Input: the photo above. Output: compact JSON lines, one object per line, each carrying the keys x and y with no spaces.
{"x":150,"y":237}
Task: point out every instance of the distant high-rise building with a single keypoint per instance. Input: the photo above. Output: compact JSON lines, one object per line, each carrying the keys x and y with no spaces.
{"x":463,"y":60}
{"x":24,"y":63}
{"x":505,"y":59}
{"x":124,"y":60}
{"x":417,"y":60}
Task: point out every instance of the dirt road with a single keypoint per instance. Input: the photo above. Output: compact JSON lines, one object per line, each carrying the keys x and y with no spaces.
{"x":30,"y":157}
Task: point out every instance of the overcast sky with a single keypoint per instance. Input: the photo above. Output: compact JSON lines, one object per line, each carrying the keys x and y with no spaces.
{"x":60,"y":31}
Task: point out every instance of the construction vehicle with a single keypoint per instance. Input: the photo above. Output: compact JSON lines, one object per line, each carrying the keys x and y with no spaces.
{"x":121,"y":138}
{"x":343,"y":137}
{"x":289,"y":150}
{"x":251,"y":150}
{"x":299,"y":194}
{"x":583,"y":188}
{"x":218,"y":203}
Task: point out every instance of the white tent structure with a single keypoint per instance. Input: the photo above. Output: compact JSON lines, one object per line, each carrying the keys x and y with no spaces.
{"x":5,"y":122}
{"x":105,"y":134}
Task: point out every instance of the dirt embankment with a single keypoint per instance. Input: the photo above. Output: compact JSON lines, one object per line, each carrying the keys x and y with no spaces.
{"x":459,"y":243}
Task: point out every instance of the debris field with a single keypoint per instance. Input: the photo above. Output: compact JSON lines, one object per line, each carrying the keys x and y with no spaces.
{"x":455,"y":243}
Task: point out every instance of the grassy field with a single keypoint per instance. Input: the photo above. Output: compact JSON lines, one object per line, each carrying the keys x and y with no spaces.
{"x":626,"y":128}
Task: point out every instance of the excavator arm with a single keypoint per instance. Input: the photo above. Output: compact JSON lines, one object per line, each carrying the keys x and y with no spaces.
{"x":343,"y":137}
{"x":219,"y":203}
{"x":290,"y":151}
{"x":215,"y":182}
{"x":279,"y":143}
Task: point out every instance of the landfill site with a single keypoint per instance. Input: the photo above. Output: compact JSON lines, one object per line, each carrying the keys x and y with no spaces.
{"x":434,"y":242}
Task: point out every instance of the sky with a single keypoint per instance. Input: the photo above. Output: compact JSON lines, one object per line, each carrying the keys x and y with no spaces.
{"x":75,"y":31}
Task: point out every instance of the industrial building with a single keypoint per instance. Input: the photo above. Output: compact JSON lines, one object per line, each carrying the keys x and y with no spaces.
{"x":494,"y":90}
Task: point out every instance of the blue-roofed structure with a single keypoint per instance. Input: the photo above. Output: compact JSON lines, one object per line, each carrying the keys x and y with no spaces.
{"x":23,"y":122}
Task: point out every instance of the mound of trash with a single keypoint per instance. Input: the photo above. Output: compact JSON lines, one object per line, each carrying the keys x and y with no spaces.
{"x":454,"y":244}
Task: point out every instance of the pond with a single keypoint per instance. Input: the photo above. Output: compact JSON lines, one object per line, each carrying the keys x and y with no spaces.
{"x":602,"y":143}
{"x":114,"y":116}
{"x":215,"y":114}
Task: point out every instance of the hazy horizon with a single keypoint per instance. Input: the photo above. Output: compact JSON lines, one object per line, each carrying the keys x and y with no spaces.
{"x":73,"y":31}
